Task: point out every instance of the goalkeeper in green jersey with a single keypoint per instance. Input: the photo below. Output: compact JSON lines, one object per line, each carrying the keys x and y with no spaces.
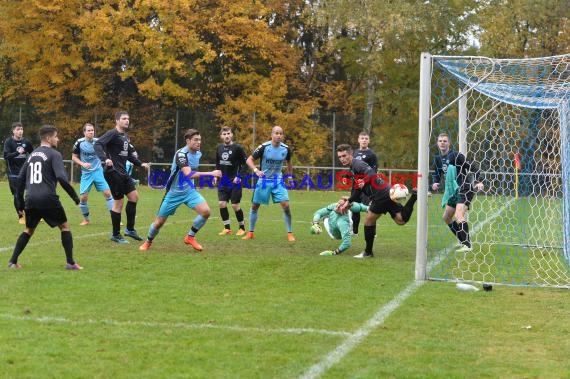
{"x":337,"y":225}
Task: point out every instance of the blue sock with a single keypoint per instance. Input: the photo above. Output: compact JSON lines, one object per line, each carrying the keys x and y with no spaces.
{"x":252,"y":219}
{"x":199,"y":221}
{"x":110,"y":202}
{"x":152,"y":232}
{"x":287,"y":217}
{"x":84,"y":210}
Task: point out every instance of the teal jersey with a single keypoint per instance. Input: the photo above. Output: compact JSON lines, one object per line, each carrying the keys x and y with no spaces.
{"x":339,"y":224}
{"x":86,"y":151}
{"x":272,"y":158}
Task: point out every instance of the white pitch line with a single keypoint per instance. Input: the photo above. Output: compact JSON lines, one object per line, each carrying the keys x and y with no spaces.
{"x":381,"y":314}
{"x":175,"y":325}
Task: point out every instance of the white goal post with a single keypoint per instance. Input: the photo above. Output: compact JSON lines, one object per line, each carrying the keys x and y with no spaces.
{"x":511,"y":117}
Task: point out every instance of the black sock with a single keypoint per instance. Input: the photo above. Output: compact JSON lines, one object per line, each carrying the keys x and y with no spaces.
{"x":454,"y":227}
{"x":369,"y":233}
{"x":20,"y":246}
{"x":225,"y":217}
{"x":409,"y":207}
{"x":131,"y":211}
{"x":355,"y":222}
{"x":116,"y":221}
{"x":239,"y":217}
{"x":67,"y":243}
{"x":463,"y":234}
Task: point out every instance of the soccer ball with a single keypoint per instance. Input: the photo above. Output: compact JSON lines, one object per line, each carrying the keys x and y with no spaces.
{"x":398,"y":192}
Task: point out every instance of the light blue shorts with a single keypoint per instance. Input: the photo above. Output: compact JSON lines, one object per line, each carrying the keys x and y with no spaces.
{"x":262,"y":192}
{"x":88,"y":178}
{"x":172,"y":200}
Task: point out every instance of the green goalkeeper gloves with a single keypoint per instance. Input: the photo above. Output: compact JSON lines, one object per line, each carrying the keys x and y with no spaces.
{"x":316,"y":229}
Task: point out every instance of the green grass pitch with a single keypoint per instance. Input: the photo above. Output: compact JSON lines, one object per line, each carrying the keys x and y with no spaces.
{"x":264,"y":308}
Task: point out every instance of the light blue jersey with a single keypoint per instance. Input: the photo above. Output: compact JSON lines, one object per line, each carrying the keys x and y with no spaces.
{"x":177,"y":181}
{"x":272,"y":158}
{"x":86,"y":152}
{"x":180,"y":188}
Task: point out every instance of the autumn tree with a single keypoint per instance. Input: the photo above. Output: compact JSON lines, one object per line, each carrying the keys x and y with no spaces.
{"x":74,"y":59}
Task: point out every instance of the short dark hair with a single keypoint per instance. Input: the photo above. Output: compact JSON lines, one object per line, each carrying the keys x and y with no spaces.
{"x":226,"y":129}
{"x":47,"y":131}
{"x":119,"y":114}
{"x":344,"y":147}
{"x":17,"y":124}
{"x":363,"y":133}
{"x":190,"y":133}
{"x":88,"y":123}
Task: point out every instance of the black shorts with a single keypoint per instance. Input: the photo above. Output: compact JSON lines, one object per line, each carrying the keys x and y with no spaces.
{"x":462,"y":197}
{"x":52,"y":216}
{"x":232,"y":193}
{"x":119,"y":184}
{"x":384,"y":206}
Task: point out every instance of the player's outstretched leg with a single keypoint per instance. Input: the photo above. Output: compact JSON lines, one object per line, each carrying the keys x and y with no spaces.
{"x":409,"y":207}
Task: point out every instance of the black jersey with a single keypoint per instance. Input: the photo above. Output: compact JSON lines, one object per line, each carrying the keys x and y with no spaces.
{"x":367,"y":156}
{"x":116,"y":146}
{"x":40,"y":174}
{"x":230,"y":159}
{"x":15,"y":159}
{"x":375,"y":188}
{"x":464,"y":167}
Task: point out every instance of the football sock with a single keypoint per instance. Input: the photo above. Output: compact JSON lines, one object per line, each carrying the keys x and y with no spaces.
{"x":355,"y":222}
{"x":252,"y":219}
{"x":409,"y":207}
{"x":225,"y":217}
{"x":239,"y":216}
{"x":199,"y":221}
{"x":287,"y":218}
{"x":20,"y":246}
{"x":109,"y":202}
{"x":152,"y":232}
{"x":131,"y":211}
{"x":116,"y":221}
{"x":463,"y":234}
{"x":454,"y":227}
{"x":84,"y":210}
{"x":67,"y":243}
{"x":369,"y":233}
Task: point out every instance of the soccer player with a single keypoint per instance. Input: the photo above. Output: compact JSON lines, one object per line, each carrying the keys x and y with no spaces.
{"x":230,"y":160}
{"x":337,"y":225}
{"x":272,"y":154}
{"x":180,"y":189}
{"x":363,"y":153}
{"x":114,"y":150}
{"x":91,"y":171}
{"x":459,"y":202}
{"x":365,"y":180}
{"x":16,"y":150}
{"x":39,"y":177}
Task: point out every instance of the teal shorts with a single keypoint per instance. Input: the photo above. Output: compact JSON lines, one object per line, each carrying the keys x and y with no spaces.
{"x":264,"y":190}
{"x":88,"y":178}
{"x":173,"y":199}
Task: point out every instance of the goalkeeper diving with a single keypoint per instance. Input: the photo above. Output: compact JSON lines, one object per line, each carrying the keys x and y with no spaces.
{"x":337,"y":225}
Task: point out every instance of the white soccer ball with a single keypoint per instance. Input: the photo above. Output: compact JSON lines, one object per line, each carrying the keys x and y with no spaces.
{"x":398,"y":192}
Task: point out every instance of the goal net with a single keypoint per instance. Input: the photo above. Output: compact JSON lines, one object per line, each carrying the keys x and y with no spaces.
{"x":512,"y":118}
